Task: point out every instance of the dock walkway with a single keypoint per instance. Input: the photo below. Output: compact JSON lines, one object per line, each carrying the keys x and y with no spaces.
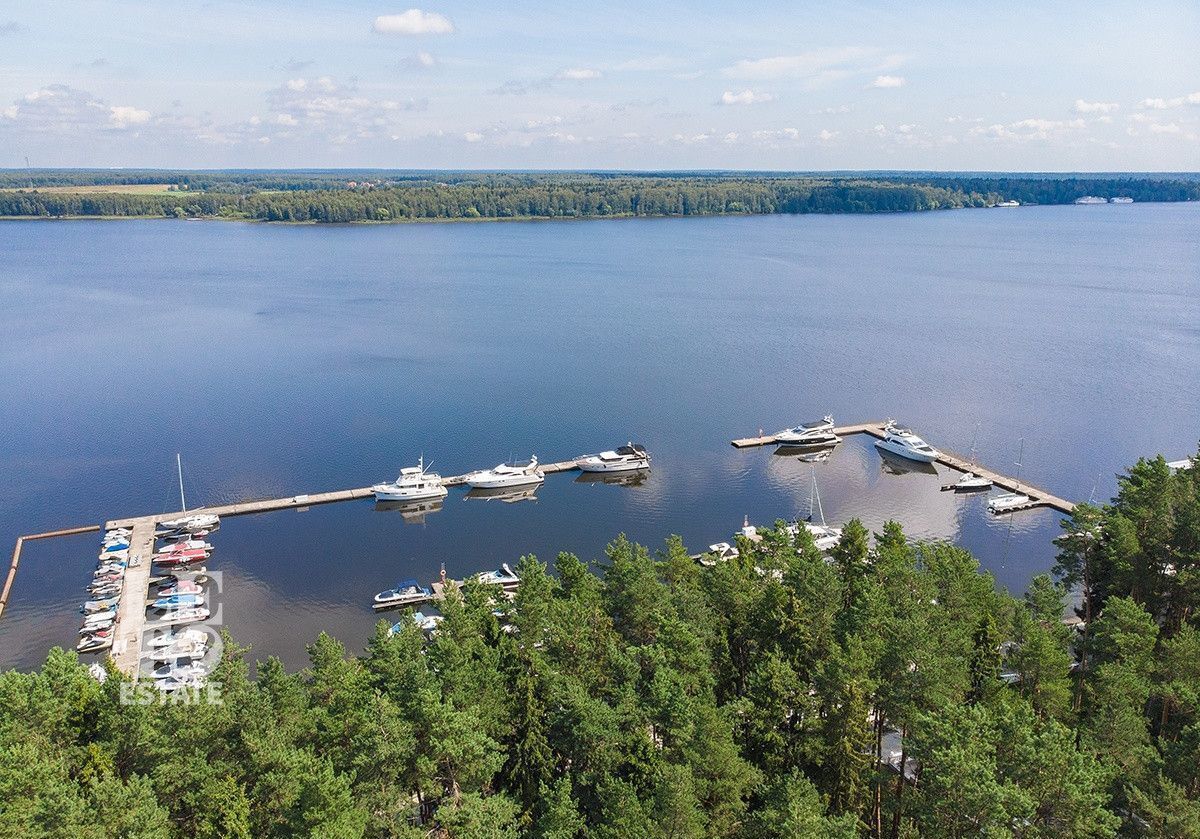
{"x":1037,"y":497}
{"x":131,"y":612}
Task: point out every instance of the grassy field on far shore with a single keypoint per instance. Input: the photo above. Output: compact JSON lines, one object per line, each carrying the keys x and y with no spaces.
{"x":115,"y":189}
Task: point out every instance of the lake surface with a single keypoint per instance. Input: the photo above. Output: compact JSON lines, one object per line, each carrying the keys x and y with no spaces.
{"x":284,"y":360}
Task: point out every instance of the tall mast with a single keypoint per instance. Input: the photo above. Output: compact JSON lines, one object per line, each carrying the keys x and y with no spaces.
{"x":179,"y":467}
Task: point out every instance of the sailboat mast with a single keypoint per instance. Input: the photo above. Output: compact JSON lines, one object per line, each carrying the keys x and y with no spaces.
{"x":1020,"y":457}
{"x":179,"y":468}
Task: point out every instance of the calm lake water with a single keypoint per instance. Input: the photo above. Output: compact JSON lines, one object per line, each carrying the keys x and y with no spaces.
{"x":284,"y":360}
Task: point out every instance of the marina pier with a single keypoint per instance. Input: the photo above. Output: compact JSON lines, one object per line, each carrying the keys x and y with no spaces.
{"x":129,"y":626}
{"x":1037,"y":497}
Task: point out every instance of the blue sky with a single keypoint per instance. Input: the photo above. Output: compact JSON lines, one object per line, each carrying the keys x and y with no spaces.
{"x":834,"y":85}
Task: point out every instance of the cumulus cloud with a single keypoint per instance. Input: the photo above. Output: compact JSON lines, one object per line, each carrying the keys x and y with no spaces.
{"x":1176,"y":102}
{"x":578,"y":74}
{"x":805,"y":64}
{"x":826,"y":135}
{"x":61,"y":109}
{"x":473,"y":137}
{"x":1168,"y":128}
{"x":745,"y":97}
{"x":413,"y":22}
{"x":1083,"y":107}
{"x":1028,"y":129}
{"x":124,"y":116}
{"x":889,"y":81}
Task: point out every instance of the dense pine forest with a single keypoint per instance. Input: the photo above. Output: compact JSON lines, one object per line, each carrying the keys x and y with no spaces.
{"x":383,"y":196}
{"x":887,"y":691}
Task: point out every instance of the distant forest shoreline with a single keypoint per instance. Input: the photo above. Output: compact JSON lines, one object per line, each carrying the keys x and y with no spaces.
{"x":381,"y":196}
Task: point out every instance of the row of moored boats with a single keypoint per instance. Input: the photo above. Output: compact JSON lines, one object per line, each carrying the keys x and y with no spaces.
{"x":417,"y":483}
{"x":816,"y":440}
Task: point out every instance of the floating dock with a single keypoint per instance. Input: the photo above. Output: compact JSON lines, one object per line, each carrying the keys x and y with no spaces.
{"x":1037,"y":497}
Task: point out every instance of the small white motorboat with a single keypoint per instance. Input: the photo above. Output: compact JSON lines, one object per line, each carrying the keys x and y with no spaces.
{"x":187,"y":636}
{"x":185,"y":545}
{"x":94,"y":642}
{"x":903,"y":442}
{"x":172,"y":684}
{"x":178,"y":649}
{"x":192,"y":614}
{"x":413,"y":484}
{"x":404,"y":593}
{"x":817,"y":434}
{"x":628,"y":458}
{"x":1007,"y":502}
{"x":516,"y":474}
{"x":180,"y":587}
{"x":192,"y":523}
{"x":970,"y":482}
{"x":181,"y":670}
{"x":503,"y":576}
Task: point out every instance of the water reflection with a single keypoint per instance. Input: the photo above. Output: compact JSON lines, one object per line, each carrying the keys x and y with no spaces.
{"x":805,"y":454}
{"x":620,"y":479}
{"x":413,"y":512}
{"x":509,"y":495}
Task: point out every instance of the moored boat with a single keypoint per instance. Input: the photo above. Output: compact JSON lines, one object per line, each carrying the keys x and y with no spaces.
{"x":1007,"y":502}
{"x":631,"y":457}
{"x":178,"y":601}
{"x":414,"y":483}
{"x":404,"y":593}
{"x":818,"y":434}
{"x":903,"y":442}
{"x":505,"y":475}
{"x":503,"y":576}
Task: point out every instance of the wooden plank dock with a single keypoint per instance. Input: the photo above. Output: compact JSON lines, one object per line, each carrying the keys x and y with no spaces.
{"x":1037,"y":497}
{"x":131,"y":611}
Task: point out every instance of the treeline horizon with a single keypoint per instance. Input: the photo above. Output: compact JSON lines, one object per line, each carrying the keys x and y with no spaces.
{"x":335,"y":196}
{"x":888,"y":691}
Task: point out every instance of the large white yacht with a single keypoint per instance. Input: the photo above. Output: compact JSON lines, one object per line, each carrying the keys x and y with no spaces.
{"x":517,"y":474}
{"x":413,"y":484}
{"x":628,"y":458}
{"x":903,"y":442}
{"x":817,"y":434}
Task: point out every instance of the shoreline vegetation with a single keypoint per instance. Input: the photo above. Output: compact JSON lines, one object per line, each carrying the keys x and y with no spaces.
{"x":890,"y":690}
{"x":380,"y":196}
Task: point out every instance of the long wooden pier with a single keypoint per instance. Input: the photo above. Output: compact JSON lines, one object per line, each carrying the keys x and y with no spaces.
{"x":130,"y":625}
{"x":1037,"y":497}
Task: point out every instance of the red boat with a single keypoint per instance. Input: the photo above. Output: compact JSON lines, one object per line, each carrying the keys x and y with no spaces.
{"x":189,"y":545}
{"x":181,"y":557}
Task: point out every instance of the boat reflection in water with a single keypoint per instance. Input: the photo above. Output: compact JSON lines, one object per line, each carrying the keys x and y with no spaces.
{"x":894,"y":464}
{"x":804,"y":454}
{"x":620,"y":479}
{"x":509,"y":495}
{"x":413,"y":512}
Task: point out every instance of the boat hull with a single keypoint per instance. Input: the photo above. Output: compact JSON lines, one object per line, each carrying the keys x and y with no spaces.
{"x":384,"y":494}
{"x":492,"y":481}
{"x":595,"y":465}
{"x":905,"y":452}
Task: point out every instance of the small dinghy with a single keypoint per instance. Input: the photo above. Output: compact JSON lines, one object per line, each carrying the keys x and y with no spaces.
{"x":403,"y":593}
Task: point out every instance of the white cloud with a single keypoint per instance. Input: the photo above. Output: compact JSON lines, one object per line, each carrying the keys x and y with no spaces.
{"x":473,"y":137}
{"x":1029,"y":129}
{"x":889,"y":81}
{"x":413,"y":22}
{"x":731,"y":137}
{"x":745,"y":97}
{"x":297,"y":84}
{"x":826,"y":135}
{"x":286,"y":120}
{"x":654,"y":62}
{"x":425,"y":59}
{"x":1176,"y":102}
{"x":578,"y":74}
{"x":534,"y":124}
{"x":832,"y":109}
{"x":1082,"y":107}
{"x":123,"y":116}
{"x":806,"y":64}
{"x":1168,"y":128}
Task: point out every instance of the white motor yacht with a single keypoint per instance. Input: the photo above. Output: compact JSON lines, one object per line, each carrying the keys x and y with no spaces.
{"x":187,"y":636}
{"x":516,"y":474}
{"x":503,"y":576}
{"x":903,"y":442}
{"x":818,"y":435}
{"x":628,"y":458}
{"x":413,"y":484}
